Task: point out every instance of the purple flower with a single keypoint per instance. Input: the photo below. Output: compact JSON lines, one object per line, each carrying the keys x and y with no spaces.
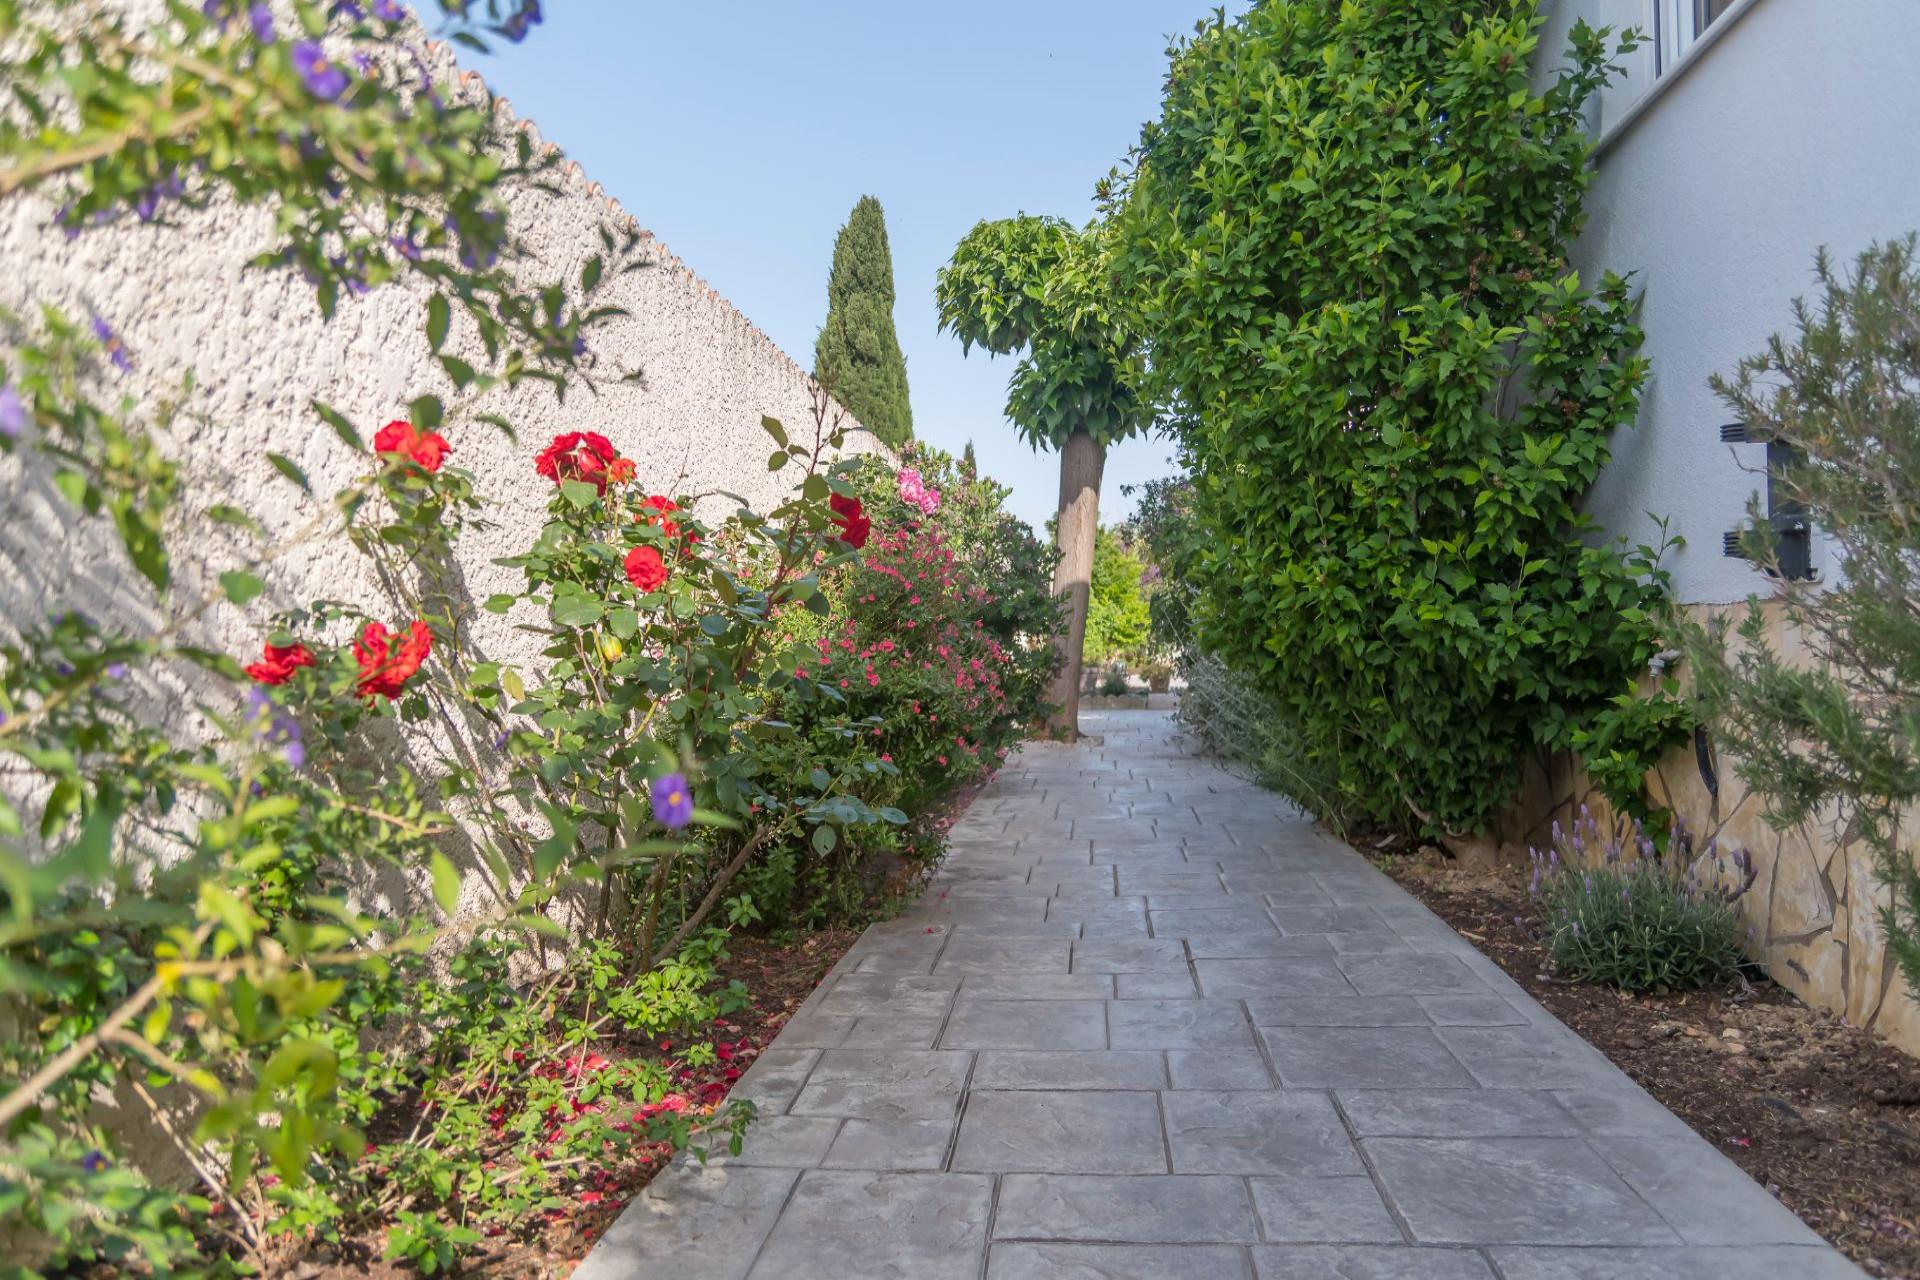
{"x":515,"y":28}
{"x":347,"y":9}
{"x":116,"y":349}
{"x":116,"y":671}
{"x":260,"y":18}
{"x":13,"y":412}
{"x":389,"y":10}
{"x":274,"y":729}
{"x":93,"y":1162}
{"x":672,"y":802}
{"x":405,"y":247}
{"x":324,"y":80}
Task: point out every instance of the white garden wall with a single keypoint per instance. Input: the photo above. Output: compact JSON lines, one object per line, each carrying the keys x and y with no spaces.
{"x":182,"y":299}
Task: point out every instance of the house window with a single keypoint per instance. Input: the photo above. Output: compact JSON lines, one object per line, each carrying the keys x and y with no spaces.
{"x":1678,"y":23}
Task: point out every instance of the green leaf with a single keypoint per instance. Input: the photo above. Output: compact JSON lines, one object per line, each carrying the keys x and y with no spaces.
{"x":446,"y":882}
{"x":825,"y":839}
{"x":426,"y":413}
{"x":439,"y":317}
{"x":341,"y":427}
{"x":286,"y":467}
{"x":578,"y":492}
{"x":241,"y":587}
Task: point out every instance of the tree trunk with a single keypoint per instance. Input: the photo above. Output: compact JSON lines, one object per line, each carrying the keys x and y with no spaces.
{"x":1081,"y":462}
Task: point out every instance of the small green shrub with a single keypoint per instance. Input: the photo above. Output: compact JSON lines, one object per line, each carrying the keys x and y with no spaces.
{"x":1114,"y":686}
{"x":1621,"y":912}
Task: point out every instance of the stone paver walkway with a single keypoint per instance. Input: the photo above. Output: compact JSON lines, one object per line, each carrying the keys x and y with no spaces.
{"x":1149,"y":1023}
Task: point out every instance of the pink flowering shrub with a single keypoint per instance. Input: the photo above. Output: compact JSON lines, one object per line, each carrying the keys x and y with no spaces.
{"x":933,"y":662}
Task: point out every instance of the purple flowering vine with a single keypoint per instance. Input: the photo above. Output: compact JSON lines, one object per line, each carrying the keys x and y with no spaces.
{"x":324,"y":78}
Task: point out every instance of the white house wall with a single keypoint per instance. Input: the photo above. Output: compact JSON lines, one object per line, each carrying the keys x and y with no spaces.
{"x":1797,"y":127}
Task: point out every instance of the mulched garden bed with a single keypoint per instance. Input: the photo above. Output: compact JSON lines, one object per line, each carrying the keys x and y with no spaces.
{"x":1825,"y":1116}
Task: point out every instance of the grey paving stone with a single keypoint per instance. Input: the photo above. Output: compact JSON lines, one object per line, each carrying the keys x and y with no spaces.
{"x":1378,"y":942}
{"x":1037,"y":986}
{"x":1456,"y":1113}
{"x":1294,"y":918}
{"x":1471,"y":1011}
{"x":881,"y":1084}
{"x":1338,"y":1011}
{"x":1114,"y":1069}
{"x":1300,"y":1209}
{"x":1218,"y":1069}
{"x":1004,"y":955}
{"x":1777,"y":1262}
{"x":1244,"y":944}
{"x":1272,"y":1132}
{"x":810,"y":1031}
{"x":782,"y":1142}
{"x":931,"y":1226}
{"x":1367,"y":1262}
{"x":1155,"y":986}
{"x":1117,"y":1262}
{"x":1189,"y":922}
{"x":1114,"y":926}
{"x":1124,"y":1210}
{"x":1284,"y":976}
{"x":1363,"y":1058}
{"x":904,"y":1145}
{"x":1525,"y":1057}
{"x":774,"y":1079}
{"x":1086,"y":1131}
{"x":1135,"y":880}
{"x":892,"y":1033}
{"x":1121,"y":955}
{"x":1702,"y":1194}
{"x":859,"y":995}
{"x":1410,"y":975}
{"x":1026,"y":1024}
{"x":1178,"y":1024}
{"x":1511,"y":1191}
{"x":1619,"y":1113}
{"x":692,"y":1223}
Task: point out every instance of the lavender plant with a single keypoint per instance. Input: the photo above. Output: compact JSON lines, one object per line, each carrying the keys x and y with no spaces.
{"x":1624,"y":910}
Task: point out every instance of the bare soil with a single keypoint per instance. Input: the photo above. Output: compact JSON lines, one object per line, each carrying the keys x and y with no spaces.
{"x":1824,"y":1115}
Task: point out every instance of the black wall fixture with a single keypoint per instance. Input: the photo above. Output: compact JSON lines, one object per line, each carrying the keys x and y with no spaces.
{"x":1792,"y":526}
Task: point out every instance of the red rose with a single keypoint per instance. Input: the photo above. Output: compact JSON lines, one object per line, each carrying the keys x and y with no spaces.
{"x":384,"y":668}
{"x":852,"y":519}
{"x":425,"y":449}
{"x":277,"y":665}
{"x":645,"y":569}
{"x":578,"y":455}
{"x":654,"y":511}
{"x":620,"y":471}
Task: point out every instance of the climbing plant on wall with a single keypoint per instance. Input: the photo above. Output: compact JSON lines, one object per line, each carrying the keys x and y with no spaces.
{"x":1348,"y":230}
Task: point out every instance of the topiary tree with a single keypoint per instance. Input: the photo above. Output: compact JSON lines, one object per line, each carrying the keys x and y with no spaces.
{"x":857,"y":355}
{"x":1042,"y":286}
{"x":1843,"y":397}
{"x":1347,"y":236}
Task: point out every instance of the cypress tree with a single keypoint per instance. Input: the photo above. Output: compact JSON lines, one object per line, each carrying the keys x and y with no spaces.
{"x":857,"y":355}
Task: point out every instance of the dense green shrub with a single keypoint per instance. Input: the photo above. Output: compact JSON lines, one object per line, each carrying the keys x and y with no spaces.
{"x":857,"y":355}
{"x":1837,"y":737}
{"x":1621,"y":910}
{"x":1117,"y":615}
{"x":1347,"y":233}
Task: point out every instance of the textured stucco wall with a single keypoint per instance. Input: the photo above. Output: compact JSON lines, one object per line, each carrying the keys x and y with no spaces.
{"x":1791,"y":131}
{"x":181,"y":298}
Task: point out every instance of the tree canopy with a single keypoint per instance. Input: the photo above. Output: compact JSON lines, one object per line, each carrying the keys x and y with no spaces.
{"x":1042,"y":286}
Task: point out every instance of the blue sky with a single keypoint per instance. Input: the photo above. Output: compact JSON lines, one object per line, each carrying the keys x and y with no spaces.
{"x":742,"y":133}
